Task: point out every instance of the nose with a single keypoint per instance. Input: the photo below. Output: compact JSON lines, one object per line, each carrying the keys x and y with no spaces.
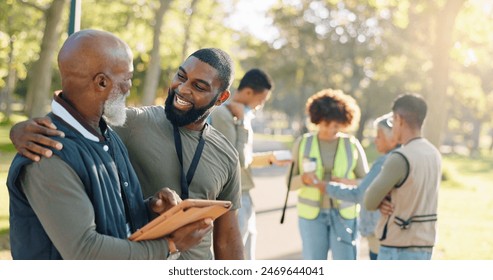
{"x":184,"y":88}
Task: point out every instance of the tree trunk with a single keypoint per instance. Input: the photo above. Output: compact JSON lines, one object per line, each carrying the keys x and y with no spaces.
{"x":361,"y":126}
{"x":445,"y":22}
{"x":38,"y":91}
{"x":188,"y":27}
{"x":476,"y":134}
{"x":7,"y":92}
{"x":151,"y":80}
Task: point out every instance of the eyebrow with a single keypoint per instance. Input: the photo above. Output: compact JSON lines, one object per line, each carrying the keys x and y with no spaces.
{"x":199,"y":80}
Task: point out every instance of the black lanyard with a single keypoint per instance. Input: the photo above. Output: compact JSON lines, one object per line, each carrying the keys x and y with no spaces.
{"x":185,"y":181}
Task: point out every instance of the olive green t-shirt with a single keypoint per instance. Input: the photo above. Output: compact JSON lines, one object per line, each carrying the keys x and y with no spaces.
{"x":148,"y":136}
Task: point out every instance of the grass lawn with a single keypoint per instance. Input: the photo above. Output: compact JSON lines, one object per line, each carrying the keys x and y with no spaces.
{"x":465,"y":205}
{"x":465,"y":216}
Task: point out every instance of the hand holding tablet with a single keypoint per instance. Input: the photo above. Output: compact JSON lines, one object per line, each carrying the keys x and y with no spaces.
{"x":187,"y":211}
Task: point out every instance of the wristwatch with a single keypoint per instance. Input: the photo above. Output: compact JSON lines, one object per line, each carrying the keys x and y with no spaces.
{"x":173,"y":252}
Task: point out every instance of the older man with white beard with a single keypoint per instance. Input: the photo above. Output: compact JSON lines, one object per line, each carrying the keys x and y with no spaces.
{"x":114,"y":108}
{"x":84,"y":202}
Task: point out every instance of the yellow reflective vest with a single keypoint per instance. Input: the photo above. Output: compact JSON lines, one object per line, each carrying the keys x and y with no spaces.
{"x":346,"y":157}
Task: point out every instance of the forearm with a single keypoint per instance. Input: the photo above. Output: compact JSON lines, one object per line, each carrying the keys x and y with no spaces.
{"x":393,"y":171}
{"x":67,"y":215}
{"x":351,"y":193}
{"x":227,"y":239}
{"x":95,"y":246}
{"x":377,"y":191}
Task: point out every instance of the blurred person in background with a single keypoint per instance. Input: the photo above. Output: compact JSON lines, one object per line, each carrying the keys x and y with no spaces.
{"x":326,"y":223}
{"x":234,"y":120}
{"x":346,"y":189}
{"x":407,"y":186}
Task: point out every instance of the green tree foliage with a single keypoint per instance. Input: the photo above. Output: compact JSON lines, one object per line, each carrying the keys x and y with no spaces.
{"x":371,"y":49}
{"x":334,"y":44}
{"x":19,"y":48}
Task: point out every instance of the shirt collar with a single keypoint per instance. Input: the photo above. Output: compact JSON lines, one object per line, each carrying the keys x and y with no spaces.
{"x":68,"y":114}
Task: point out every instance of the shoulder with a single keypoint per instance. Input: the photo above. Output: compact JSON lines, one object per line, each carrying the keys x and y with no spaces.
{"x":431,"y":146}
{"x":352,"y":140}
{"x":221,"y":111}
{"x":53,"y":165}
{"x":349,"y":137}
{"x":306,"y":136}
{"x":145,"y":113}
{"x":397,"y":157}
{"x":220,"y":143}
{"x":301,"y":138}
{"x":221,"y":116}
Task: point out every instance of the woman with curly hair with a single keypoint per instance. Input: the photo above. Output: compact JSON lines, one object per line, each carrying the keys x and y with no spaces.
{"x":328,"y":224}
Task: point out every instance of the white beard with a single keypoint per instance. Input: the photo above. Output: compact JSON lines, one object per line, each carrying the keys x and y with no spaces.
{"x":114,"y":108}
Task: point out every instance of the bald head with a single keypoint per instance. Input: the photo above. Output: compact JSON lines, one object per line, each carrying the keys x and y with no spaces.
{"x":88,"y":53}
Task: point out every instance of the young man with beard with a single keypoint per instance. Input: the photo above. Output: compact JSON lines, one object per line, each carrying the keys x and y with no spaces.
{"x":173,"y":146}
{"x":84,"y":202}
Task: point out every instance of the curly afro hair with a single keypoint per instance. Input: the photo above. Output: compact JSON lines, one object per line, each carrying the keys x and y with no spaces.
{"x":333,"y":105}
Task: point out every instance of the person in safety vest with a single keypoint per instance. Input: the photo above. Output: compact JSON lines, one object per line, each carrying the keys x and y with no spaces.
{"x":326,"y":223}
{"x":347,"y":189}
{"x":409,"y":180}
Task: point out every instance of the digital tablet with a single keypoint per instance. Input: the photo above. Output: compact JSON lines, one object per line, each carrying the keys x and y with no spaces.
{"x":187,"y":211}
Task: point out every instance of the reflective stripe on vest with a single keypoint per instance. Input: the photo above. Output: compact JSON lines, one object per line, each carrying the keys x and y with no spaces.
{"x":310,"y":198}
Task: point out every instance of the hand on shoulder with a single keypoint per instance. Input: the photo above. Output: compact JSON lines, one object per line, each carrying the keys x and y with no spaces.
{"x":237,"y":109}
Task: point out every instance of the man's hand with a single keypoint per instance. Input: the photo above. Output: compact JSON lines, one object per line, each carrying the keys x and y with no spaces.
{"x":273,"y":160}
{"x":30,"y":138}
{"x":190,"y":235}
{"x":237,"y":109}
{"x":386,"y":207}
{"x":164,"y":200}
{"x":310,"y":179}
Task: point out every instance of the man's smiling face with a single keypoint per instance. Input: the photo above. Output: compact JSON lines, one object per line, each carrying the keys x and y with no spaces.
{"x":193,"y":92}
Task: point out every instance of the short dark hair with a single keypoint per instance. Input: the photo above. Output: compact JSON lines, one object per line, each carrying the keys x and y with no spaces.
{"x":332,"y":105}
{"x":411,"y":107}
{"x":219,"y":60}
{"x":257,"y":80}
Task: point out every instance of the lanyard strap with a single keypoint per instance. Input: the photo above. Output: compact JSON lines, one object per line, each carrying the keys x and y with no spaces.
{"x":186,"y":180}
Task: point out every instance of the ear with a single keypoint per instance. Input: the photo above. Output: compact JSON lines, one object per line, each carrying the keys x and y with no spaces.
{"x":400,"y":120}
{"x":223,"y":96}
{"x":101,"y":82}
{"x":248,"y":91}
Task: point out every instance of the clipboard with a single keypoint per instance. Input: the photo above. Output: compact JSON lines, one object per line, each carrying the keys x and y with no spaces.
{"x":187,"y":211}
